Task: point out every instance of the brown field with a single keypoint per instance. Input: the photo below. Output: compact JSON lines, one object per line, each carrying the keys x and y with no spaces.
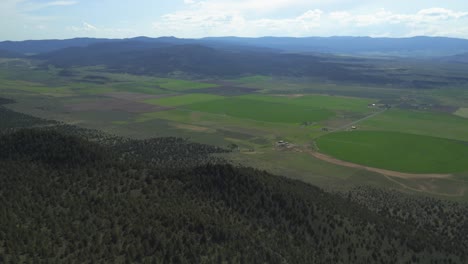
{"x":193,"y":128}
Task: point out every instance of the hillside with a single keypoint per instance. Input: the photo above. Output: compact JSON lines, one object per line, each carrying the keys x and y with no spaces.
{"x":118,"y":200}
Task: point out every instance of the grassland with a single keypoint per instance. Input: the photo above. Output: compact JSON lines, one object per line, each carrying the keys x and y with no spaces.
{"x":263,"y":111}
{"x":397,"y":151}
{"x":185,"y":99}
{"x":320,"y":101}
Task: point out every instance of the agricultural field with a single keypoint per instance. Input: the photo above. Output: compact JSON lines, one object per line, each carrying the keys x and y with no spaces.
{"x":263,"y":111}
{"x":443,"y":125}
{"x":397,"y":151}
{"x":364,"y":125}
{"x":334,"y":103}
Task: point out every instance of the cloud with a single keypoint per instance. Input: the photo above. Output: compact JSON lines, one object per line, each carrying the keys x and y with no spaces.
{"x":60,"y":3}
{"x":211,"y":18}
{"x":245,"y":6}
{"x":86,"y":30}
{"x":85,"y":27}
{"x":223,"y":18}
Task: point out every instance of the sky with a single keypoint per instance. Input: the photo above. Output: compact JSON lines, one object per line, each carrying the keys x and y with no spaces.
{"x":62,"y":19}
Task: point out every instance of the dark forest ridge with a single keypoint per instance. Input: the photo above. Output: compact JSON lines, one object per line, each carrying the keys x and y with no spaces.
{"x":414,"y":46}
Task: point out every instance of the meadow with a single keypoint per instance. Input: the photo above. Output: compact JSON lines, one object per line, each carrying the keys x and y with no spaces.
{"x":334,"y":103}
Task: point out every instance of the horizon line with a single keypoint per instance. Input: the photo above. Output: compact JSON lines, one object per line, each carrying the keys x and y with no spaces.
{"x":240,"y":37}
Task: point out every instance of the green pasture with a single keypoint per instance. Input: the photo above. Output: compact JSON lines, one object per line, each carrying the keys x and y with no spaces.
{"x":263,"y":111}
{"x":183,"y":99}
{"x":397,"y":151}
{"x":319,"y":101}
{"x":435,"y":124}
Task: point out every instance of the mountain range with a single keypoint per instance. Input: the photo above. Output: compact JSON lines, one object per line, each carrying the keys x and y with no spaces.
{"x":415,"y":46}
{"x":359,"y":60}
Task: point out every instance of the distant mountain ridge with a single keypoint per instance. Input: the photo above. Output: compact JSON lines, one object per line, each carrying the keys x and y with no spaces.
{"x":354,"y":45}
{"x":412,"y":47}
{"x":163,"y":59}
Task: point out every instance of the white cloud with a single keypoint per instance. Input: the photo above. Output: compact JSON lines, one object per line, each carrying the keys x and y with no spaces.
{"x":85,"y":27}
{"x":88,"y":30}
{"x":60,"y":3}
{"x":226,"y":18}
{"x":382,"y":16}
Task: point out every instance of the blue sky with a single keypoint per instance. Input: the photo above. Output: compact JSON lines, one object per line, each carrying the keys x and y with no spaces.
{"x":51,"y":19}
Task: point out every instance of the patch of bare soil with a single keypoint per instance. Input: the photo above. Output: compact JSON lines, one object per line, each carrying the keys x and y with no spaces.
{"x":114,"y":104}
{"x":402,"y":175}
{"x":192,"y":128}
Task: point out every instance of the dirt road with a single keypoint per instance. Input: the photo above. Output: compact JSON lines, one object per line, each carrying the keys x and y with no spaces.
{"x":402,"y":175}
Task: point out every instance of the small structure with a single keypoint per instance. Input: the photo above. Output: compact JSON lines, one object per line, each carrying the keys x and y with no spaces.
{"x":283,"y":144}
{"x":354,"y":127}
{"x":325,"y":129}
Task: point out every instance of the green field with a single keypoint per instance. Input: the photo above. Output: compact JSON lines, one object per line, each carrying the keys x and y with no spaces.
{"x":320,"y":101}
{"x":397,"y":151}
{"x":183,"y":99}
{"x":263,"y":111}
{"x":434,"y":124}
